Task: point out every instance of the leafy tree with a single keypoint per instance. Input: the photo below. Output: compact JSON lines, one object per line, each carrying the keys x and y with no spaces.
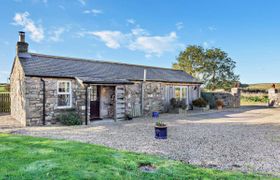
{"x":212,"y":66}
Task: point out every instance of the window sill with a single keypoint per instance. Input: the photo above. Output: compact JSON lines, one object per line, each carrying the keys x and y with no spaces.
{"x":64,"y":107}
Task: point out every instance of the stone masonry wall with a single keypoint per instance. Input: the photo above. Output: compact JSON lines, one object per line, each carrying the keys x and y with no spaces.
{"x":34,"y":100}
{"x":230,"y":99}
{"x":17,"y":93}
{"x":274,"y":97}
{"x":153,"y":98}
{"x":133,"y":99}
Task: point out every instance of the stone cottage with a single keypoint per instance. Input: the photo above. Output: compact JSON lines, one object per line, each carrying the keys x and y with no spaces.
{"x":43,"y":86}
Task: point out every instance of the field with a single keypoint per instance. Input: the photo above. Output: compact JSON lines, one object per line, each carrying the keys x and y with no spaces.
{"x":256,"y":93}
{"x":260,"y":86}
{"x":3,"y":88}
{"x":24,"y":157}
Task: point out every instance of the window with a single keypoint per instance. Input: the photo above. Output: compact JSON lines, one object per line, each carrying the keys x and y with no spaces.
{"x":180,"y":92}
{"x":64,"y":96}
{"x":177,"y":92}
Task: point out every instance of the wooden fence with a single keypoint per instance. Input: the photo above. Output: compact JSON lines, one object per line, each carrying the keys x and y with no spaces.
{"x":5,"y":102}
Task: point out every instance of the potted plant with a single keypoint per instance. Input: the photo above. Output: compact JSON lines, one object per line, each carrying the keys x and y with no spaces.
{"x":177,"y":106}
{"x":160,"y":130}
{"x":219,"y":104}
{"x":200,"y":104}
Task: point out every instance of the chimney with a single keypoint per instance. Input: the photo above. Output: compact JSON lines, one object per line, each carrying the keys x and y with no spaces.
{"x":22,"y":46}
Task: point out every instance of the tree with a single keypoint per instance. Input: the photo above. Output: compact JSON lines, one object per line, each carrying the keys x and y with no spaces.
{"x":211,"y":66}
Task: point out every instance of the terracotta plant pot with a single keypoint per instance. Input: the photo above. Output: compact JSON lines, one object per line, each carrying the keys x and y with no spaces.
{"x":220,"y":107}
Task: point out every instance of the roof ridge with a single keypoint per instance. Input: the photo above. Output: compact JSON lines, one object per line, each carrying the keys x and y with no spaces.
{"x":98,"y":61}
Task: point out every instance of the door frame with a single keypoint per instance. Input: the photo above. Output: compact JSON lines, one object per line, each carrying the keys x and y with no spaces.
{"x":98,"y":97}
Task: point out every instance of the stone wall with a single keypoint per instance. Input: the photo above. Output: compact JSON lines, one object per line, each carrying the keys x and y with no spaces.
{"x":34,"y":100}
{"x":153,"y":98}
{"x":133,"y":95}
{"x":274,"y":97}
{"x":230,"y":99}
{"x":31,"y":99}
{"x":17,"y":93}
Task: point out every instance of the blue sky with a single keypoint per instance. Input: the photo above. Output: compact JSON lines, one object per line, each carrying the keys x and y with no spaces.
{"x":150,"y":32}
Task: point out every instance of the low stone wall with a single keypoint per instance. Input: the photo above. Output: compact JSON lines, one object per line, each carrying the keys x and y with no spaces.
{"x":274,"y":97}
{"x":230,"y":99}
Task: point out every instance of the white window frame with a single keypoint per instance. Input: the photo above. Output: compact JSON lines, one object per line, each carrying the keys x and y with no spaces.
{"x":181,"y":92}
{"x":64,"y":93}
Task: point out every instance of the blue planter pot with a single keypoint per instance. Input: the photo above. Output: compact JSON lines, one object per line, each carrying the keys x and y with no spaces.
{"x":155,"y":114}
{"x":161,"y":132}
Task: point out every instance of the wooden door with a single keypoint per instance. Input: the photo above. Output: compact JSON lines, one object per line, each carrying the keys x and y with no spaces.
{"x":95,"y":103}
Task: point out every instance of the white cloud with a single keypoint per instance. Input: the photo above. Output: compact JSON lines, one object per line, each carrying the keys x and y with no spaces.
{"x":95,"y":12}
{"x":55,"y":35}
{"x":112,"y":39}
{"x":83,"y":2}
{"x":155,"y":45}
{"x":36,"y":31}
{"x":179,"y":25}
{"x":139,"y":31}
{"x":138,"y":39}
{"x":131,"y":21}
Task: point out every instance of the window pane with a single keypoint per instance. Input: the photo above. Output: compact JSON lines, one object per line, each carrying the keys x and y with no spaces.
{"x":63,"y":100}
{"x":61,"y":87}
{"x":64,"y":87}
{"x":184,"y":91}
{"x":67,"y":84}
{"x":177,"y":93}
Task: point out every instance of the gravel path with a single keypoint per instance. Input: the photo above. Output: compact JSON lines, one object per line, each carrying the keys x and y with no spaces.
{"x":247,"y":139}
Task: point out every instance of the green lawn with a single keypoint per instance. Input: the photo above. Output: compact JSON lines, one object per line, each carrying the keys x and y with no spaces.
{"x":2,"y":88}
{"x":23,"y":157}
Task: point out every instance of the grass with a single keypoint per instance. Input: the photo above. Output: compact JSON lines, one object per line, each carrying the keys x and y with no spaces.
{"x":260,"y":86}
{"x":23,"y":157}
{"x":3,"y":88}
{"x":254,"y":99}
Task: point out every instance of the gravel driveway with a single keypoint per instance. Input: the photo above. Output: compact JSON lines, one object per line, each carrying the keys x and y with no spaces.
{"x":245,"y":139}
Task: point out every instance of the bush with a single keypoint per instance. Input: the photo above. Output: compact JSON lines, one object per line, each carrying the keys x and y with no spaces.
{"x":219,"y":103}
{"x":259,"y":99}
{"x":174,"y":103}
{"x":70,"y":119}
{"x":183,"y":104}
{"x":200,"y":102}
{"x":160,"y":124}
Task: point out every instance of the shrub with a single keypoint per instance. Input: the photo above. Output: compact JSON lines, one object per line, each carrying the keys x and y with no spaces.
{"x":173,"y":102}
{"x":160,"y":123}
{"x":219,"y":103}
{"x":200,"y":102}
{"x":70,"y":119}
{"x":259,"y":99}
{"x":183,"y":104}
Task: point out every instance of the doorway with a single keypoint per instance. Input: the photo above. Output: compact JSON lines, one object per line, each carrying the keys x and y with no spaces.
{"x":95,"y":103}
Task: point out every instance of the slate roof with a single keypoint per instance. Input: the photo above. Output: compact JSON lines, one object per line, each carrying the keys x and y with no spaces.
{"x":98,"y":71}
